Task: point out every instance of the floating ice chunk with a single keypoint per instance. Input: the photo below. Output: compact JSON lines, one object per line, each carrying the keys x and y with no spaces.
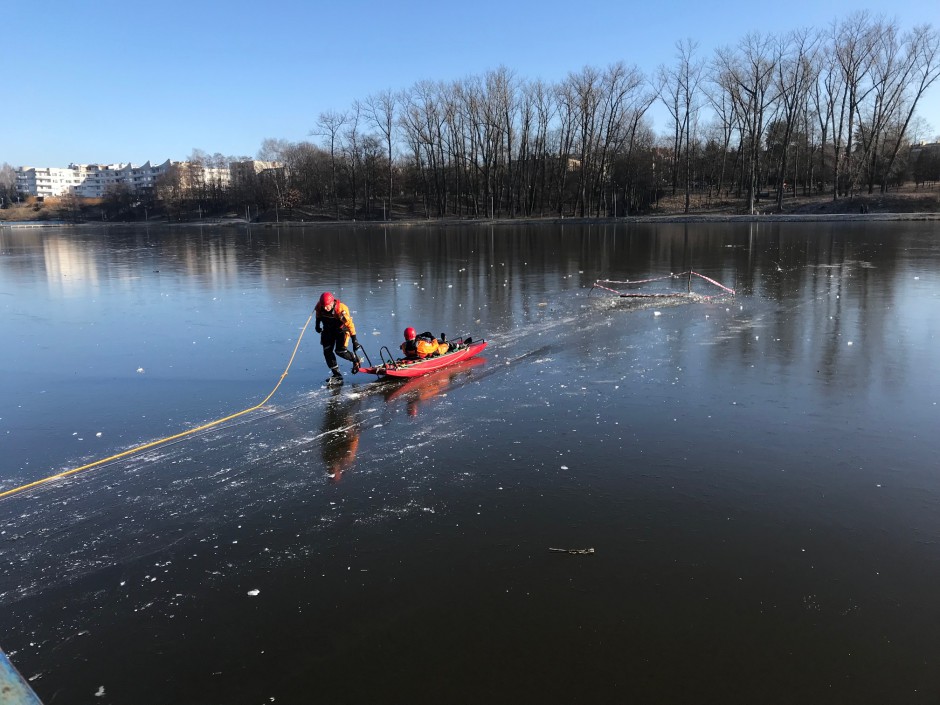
{"x":140,"y":370}
{"x":850,"y":342}
{"x":564,"y":467}
{"x":254,"y":593}
{"x":657,"y":313}
{"x":100,"y":692}
{"x":98,"y":435}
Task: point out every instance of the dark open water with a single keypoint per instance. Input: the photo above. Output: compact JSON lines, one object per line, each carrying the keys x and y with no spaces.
{"x":757,"y":475}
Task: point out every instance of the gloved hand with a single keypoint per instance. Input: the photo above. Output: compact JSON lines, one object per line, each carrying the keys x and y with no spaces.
{"x":356,"y":345}
{"x":318,"y":327}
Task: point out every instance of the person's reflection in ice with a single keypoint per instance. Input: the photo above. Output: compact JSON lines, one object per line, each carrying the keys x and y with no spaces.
{"x":339,"y":438}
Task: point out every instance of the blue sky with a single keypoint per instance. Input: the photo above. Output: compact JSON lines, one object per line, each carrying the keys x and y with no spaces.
{"x":118,"y":81}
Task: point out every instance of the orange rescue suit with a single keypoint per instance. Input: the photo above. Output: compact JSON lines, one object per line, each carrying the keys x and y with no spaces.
{"x":422,"y":347}
{"x":338,"y":320}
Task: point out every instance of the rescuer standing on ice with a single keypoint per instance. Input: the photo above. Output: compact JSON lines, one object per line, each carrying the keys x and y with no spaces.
{"x":336,"y":328}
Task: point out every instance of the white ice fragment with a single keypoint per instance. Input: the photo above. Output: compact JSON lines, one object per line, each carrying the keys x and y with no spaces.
{"x":657,"y":313}
{"x":98,"y":435}
{"x":564,"y":467}
{"x":850,"y":342}
{"x":100,"y":692}
{"x":254,"y":593}
{"x":140,"y":370}
{"x":916,"y":278}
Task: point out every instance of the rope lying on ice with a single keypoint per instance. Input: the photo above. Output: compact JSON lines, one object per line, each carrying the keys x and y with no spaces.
{"x":600,"y":284}
{"x":145,"y":446}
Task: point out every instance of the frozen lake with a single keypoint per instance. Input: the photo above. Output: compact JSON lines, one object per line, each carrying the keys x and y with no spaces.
{"x":758,"y":475}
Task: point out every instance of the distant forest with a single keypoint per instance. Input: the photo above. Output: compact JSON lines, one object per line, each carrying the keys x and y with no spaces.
{"x":805,"y":112}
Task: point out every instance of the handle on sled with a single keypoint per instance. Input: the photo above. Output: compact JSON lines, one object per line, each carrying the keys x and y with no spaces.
{"x":368,"y":359}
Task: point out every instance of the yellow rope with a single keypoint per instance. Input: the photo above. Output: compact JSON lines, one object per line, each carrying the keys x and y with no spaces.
{"x":145,"y":446}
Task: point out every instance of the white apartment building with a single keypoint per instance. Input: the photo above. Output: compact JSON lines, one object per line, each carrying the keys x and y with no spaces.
{"x":46,"y":181}
{"x":94,"y":180}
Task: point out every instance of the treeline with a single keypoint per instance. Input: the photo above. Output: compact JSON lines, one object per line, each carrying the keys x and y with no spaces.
{"x":804,"y":112}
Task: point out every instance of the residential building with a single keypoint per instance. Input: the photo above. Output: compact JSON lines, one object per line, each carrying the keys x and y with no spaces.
{"x":94,"y":180}
{"x":46,"y":181}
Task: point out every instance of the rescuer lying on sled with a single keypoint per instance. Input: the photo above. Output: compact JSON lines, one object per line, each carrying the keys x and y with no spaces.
{"x":417,"y":347}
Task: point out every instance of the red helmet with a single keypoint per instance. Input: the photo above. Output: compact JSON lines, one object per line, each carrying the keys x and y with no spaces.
{"x":326,"y":298}
{"x":410,"y":333}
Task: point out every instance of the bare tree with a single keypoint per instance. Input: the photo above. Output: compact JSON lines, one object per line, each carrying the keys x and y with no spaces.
{"x":352,"y":151}
{"x":381,"y":110}
{"x":718,"y":92}
{"x":7,"y":185}
{"x":901,"y":81}
{"x":750,"y":82}
{"x":827,"y":105}
{"x":795,"y":74}
{"x":855,"y":40}
{"x":272,"y":149}
{"x":680,"y":93}
{"x":329,"y":126}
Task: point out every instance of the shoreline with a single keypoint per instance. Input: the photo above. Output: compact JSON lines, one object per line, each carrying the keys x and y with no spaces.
{"x":678,"y":218}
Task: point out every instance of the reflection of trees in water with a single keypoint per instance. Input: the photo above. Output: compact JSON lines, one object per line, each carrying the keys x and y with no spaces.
{"x":840,"y":282}
{"x":340,"y":432}
{"x":847,"y":277}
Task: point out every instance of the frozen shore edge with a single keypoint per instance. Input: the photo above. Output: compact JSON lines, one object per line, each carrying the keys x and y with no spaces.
{"x":670,"y":218}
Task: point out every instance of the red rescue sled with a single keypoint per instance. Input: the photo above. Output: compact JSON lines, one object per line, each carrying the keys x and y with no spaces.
{"x":416,"y":368}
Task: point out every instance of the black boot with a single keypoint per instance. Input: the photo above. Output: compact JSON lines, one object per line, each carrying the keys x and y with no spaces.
{"x":336,"y":378}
